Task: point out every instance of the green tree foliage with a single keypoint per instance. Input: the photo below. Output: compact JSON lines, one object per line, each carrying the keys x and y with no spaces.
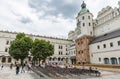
{"x":41,"y":49}
{"x":20,"y":47}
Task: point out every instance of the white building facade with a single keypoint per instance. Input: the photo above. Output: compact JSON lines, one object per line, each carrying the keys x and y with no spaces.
{"x":60,"y":47}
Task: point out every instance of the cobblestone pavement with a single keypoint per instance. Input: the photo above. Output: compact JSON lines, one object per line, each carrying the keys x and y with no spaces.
{"x":108,"y":75}
{"x":7,"y":73}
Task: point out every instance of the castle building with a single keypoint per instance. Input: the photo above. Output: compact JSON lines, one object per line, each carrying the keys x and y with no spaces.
{"x":60,"y":47}
{"x":97,"y":41}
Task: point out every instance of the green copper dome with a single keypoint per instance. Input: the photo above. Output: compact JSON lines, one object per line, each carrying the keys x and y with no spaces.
{"x":84,"y":9}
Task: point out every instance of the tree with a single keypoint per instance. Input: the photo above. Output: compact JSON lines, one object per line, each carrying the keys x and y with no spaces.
{"x":41,"y":49}
{"x":20,"y":47}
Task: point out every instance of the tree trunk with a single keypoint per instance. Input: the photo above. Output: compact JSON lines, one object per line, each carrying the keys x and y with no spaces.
{"x":21,"y":61}
{"x":39,"y":61}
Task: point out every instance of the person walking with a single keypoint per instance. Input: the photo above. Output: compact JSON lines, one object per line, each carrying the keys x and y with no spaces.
{"x":17,"y":69}
{"x":1,"y":66}
{"x":23,"y":68}
{"x":11,"y":65}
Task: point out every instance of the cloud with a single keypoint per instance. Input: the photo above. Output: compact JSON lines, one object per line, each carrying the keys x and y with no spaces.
{"x":45,"y":17}
{"x":25,"y":20}
{"x":68,"y":8}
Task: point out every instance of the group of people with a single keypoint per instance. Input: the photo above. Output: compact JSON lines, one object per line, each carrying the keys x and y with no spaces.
{"x":21,"y":67}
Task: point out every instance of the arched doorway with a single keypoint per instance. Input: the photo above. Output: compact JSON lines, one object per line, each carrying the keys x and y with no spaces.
{"x":106,"y":61}
{"x":114,"y":60}
{"x":3,"y":60}
{"x":58,"y":59}
{"x":9,"y":60}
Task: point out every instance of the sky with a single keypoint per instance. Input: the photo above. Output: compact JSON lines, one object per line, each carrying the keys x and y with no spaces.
{"x":54,"y":18}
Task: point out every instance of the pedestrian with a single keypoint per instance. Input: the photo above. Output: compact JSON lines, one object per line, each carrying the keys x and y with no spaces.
{"x":11,"y":65}
{"x":29,"y":67}
{"x":83,"y":68}
{"x":17,"y":69}
{"x":1,"y":66}
{"x":23,"y":67}
{"x":90,"y":70}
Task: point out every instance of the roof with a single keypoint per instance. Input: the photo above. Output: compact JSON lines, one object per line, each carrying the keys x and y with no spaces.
{"x":106,"y":36}
{"x":84,"y":9}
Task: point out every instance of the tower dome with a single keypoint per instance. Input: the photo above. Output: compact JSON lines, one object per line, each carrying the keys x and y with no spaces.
{"x":83,"y":9}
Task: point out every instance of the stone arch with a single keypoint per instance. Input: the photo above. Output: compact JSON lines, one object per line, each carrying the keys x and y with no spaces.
{"x":54,"y":59}
{"x":62,"y":59}
{"x":59,"y":59}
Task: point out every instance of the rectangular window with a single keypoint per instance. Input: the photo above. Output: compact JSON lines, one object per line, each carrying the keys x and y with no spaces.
{"x":79,"y":52}
{"x":83,"y":18}
{"x":6,"y":49}
{"x":98,"y":47}
{"x":104,"y":45}
{"x":88,"y":17}
{"x":83,"y":24}
{"x":89,"y":24}
{"x":111,"y":44}
{"x":7,"y":42}
{"x":118,"y":43}
{"x":99,"y":59}
{"x":59,"y":52}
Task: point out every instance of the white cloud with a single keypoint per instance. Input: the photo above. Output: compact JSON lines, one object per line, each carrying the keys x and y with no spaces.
{"x":17,"y":15}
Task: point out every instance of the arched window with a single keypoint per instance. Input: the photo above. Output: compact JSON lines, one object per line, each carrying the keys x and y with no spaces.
{"x":58,"y":59}
{"x":114,"y":60}
{"x":9,"y":60}
{"x":3,"y":60}
{"x":83,"y":17}
{"x":83,"y":24}
{"x":88,"y":17}
{"x":62,"y":59}
{"x":106,"y":60}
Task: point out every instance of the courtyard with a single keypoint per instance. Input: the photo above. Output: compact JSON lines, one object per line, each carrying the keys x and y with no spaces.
{"x":7,"y":73}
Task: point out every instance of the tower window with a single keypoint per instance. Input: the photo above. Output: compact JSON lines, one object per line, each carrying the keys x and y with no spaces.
{"x":83,"y":18}
{"x":99,"y":59}
{"x":88,"y":17}
{"x":89,"y":24}
{"x":91,"y":33}
{"x":83,"y":24}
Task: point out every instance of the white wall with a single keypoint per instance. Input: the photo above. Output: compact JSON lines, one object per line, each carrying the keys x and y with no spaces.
{"x":108,"y":26}
{"x":107,"y":52}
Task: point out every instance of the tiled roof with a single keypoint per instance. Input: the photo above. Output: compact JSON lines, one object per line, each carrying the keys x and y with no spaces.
{"x":106,"y":36}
